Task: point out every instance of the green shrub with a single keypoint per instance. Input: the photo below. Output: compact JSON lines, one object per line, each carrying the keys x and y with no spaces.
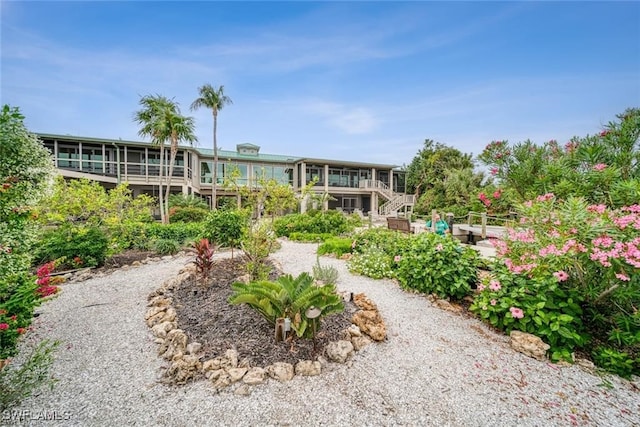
{"x":165,"y":246}
{"x":289,"y":297}
{"x":187,"y":214}
{"x":392,"y":242}
{"x":337,"y":246}
{"x":259,"y":242}
{"x":612,"y":360}
{"x":439,"y":265}
{"x":187,"y":201}
{"x":373,"y":262}
{"x":67,"y":242}
{"x":309,"y":237}
{"x":18,"y":299}
{"x":330,"y":222}
{"x":226,"y":228}
{"x":535,"y":305}
{"x":179,"y":232}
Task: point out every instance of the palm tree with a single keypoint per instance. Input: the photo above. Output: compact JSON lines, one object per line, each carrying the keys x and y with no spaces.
{"x":161,"y":120}
{"x":215,"y":99}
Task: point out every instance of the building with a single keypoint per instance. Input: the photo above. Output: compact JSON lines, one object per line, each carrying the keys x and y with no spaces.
{"x":366,"y":187}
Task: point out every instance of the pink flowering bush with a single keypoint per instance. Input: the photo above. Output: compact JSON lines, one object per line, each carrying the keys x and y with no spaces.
{"x":574,"y":270}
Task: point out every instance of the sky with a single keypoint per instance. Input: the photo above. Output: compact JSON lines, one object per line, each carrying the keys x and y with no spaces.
{"x":358,"y":81}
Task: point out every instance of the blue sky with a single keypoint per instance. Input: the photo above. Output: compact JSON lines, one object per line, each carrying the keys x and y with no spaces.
{"x":360,"y":81}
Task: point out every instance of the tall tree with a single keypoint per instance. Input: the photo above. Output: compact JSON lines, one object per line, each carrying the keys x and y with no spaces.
{"x":160,"y":119}
{"x":214,"y":99}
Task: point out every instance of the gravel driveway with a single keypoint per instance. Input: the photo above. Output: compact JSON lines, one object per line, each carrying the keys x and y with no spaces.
{"x":436,"y":369}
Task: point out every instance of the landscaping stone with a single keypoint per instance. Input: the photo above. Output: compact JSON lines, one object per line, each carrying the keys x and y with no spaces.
{"x":339,"y":351}
{"x":281,"y":371}
{"x":308,"y":368}
{"x":529,"y":344}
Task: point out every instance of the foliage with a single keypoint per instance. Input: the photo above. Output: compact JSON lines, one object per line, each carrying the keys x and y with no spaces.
{"x":226,"y":227}
{"x":441,"y":176}
{"x":535,"y":305}
{"x":214,"y":99}
{"x":259,"y":242}
{"x":26,"y":169}
{"x":300,"y":236}
{"x":439,"y":265}
{"x":615,"y":361}
{"x":581,"y":254}
{"x":602,"y":168}
{"x":187,"y":201}
{"x":187,"y":214}
{"x":373,"y":262}
{"x":179,"y":232}
{"x":392,"y":242}
{"x":330,"y":222}
{"x":18,"y":383}
{"x":327,"y":274}
{"x":290,"y":297}
{"x":337,"y":246}
{"x":204,"y":258}
{"x":70,"y":241}
{"x":161,"y":120}
{"x":165,"y":246}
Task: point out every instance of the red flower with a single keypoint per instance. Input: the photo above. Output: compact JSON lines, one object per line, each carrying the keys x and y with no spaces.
{"x":3,"y":326}
{"x":21,"y":330}
{"x":496,"y":194}
{"x":13,"y":318}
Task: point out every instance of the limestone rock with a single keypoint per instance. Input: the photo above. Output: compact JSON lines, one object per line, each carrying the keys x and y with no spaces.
{"x":354,"y":331}
{"x":160,"y":301}
{"x":370,"y":322}
{"x":222,"y":381}
{"x":360,"y":342}
{"x":364,"y":303}
{"x":308,"y":368}
{"x":193,"y":347}
{"x":230,"y":359}
{"x":529,"y":344}
{"x":211,"y":365}
{"x":254,"y":376}
{"x":183,"y":369}
{"x":214,"y":374}
{"x":281,"y":371}
{"x":339,"y":351}
{"x":175,"y":342}
{"x":243,"y":390}
{"x":236,"y":374}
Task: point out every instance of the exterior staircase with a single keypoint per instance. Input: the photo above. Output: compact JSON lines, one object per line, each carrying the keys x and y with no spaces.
{"x":394,"y":201}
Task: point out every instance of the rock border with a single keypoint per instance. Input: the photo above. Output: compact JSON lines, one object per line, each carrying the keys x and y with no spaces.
{"x":185,"y":357}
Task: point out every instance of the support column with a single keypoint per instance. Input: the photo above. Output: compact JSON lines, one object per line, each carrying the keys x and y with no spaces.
{"x":325,"y":203}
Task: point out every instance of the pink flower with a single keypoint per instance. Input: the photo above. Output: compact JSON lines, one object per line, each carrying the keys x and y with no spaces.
{"x":517,"y":313}
{"x":604,"y":133}
{"x":497,"y":194}
{"x":481,"y":287}
{"x":494,"y":171}
{"x":3,"y":326}
{"x":494,"y":302}
{"x":599,"y":167}
{"x":622,"y":277}
{"x":397,"y":258}
{"x":439,"y":247}
{"x":494,"y":285}
{"x":561,"y":276}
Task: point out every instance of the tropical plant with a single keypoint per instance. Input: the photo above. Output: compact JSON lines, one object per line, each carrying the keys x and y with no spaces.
{"x":70,"y":241}
{"x":165,"y":246}
{"x":439,"y":265}
{"x":160,"y":119}
{"x":289,"y":297}
{"x":214,"y":99}
{"x":258,"y":243}
{"x":204,"y":258}
{"x":187,"y":201}
{"x":336,"y":245}
{"x":227,"y":227}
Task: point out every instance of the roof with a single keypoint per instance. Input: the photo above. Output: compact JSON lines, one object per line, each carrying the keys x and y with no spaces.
{"x":225,"y":154}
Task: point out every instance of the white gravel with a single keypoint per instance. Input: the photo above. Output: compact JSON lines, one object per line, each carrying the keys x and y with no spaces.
{"x":436,"y":369}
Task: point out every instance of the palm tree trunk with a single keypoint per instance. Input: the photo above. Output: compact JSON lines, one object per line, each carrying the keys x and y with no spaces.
{"x":214,"y":203}
{"x":174,"y":151}
{"x":162,"y":215}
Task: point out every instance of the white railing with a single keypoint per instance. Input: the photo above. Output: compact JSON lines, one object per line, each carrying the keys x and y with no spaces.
{"x":399,"y":201}
{"x":379,"y":186}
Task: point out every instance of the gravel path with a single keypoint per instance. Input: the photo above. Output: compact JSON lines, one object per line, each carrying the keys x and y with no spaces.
{"x":436,"y":369}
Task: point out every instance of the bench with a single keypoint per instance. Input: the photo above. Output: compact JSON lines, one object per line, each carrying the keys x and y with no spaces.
{"x":400,"y":224}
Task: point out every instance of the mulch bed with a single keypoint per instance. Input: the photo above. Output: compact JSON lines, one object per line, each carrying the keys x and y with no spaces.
{"x":205,"y":315}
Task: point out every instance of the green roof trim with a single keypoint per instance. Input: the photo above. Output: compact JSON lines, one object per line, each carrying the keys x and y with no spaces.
{"x":222,"y":154}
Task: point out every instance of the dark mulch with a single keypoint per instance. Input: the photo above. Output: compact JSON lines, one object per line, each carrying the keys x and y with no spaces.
{"x":205,"y":315}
